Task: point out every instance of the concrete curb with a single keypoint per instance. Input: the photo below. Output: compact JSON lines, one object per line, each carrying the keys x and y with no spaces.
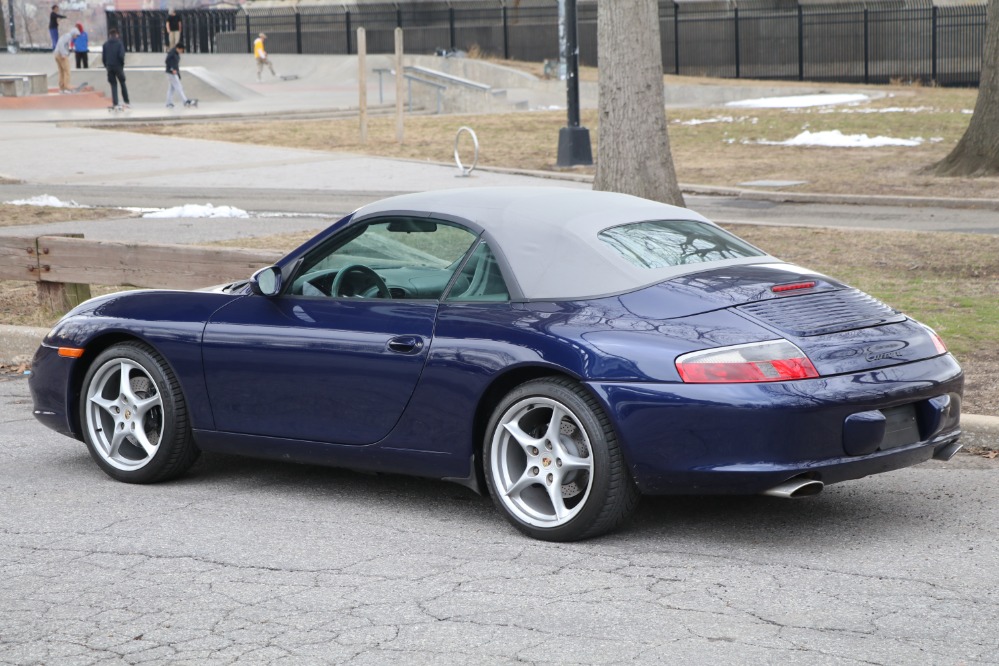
{"x":758,"y":195}
{"x":18,"y":344}
{"x":985,"y":425}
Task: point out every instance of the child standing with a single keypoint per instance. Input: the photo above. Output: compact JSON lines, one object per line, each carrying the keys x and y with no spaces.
{"x":81,"y":46}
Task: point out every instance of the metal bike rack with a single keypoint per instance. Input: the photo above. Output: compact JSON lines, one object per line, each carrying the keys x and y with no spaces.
{"x":464,"y":171}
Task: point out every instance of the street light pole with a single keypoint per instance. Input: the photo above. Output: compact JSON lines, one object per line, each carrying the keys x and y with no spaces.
{"x":13,"y":34}
{"x":573,"y":140}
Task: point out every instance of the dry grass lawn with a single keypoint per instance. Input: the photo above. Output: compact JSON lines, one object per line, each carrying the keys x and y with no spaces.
{"x":15,"y":216}
{"x":711,"y":146}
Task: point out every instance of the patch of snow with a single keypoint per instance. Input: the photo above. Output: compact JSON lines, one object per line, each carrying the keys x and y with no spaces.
{"x":799,"y":101}
{"x":195,"y":210}
{"x":705,"y":121}
{"x":890,"y":109}
{"x":45,"y":200}
{"x":836,"y":139}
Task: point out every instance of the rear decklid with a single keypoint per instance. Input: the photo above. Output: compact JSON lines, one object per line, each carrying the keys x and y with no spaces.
{"x":840,"y":328}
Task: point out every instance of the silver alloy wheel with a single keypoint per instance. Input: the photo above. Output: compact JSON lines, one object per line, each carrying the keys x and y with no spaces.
{"x":124,"y":414}
{"x":541,"y":462}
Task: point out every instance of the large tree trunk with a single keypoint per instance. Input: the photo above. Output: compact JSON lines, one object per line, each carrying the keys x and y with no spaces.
{"x":977,"y":153}
{"x":633,"y":154}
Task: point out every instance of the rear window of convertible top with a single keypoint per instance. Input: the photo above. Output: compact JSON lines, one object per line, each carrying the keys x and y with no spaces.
{"x":662,"y":243}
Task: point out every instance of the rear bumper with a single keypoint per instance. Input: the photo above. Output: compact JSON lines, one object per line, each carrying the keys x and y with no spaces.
{"x":746,"y":438}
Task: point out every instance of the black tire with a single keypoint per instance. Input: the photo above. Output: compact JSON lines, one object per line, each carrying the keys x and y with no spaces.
{"x":149,"y":407}
{"x":576,"y":462}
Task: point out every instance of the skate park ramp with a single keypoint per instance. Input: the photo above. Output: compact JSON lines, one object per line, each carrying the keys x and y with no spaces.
{"x":227,"y":84}
{"x":223,"y":83}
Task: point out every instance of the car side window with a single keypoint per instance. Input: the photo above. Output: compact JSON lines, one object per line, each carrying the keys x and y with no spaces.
{"x":399,"y":257}
{"x":480,"y":279}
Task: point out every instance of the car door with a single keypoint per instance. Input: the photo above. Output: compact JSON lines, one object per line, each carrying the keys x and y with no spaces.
{"x":339,"y":367}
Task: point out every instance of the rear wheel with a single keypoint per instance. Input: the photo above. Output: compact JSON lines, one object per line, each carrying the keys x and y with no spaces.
{"x":134,"y":416}
{"x":553,"y":464}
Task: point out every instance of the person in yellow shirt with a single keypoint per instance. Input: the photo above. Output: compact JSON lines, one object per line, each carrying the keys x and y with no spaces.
{"x":260,"y":54}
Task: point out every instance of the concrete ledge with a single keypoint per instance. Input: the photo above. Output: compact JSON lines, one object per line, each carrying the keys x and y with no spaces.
{"x":18,"y":343}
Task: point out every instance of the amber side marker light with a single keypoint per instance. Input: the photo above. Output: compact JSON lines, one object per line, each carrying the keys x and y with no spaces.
{"x":70,"y":352}
{"x":778,"y":288}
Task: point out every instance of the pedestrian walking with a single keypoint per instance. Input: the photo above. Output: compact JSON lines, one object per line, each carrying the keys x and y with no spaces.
{"x":113,"y":57}
{"x":62,"y":59}
{"x":81,"y":46}
{"x":173,"y":28}
{"x":173,"y":78}
{"x":260,"y":54}
{"x":54,"y":25}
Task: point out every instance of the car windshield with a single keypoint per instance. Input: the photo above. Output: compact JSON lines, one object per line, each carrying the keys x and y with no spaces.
{"x":663,"y":243}
{"x":404,"y":243}
{"x":399,"y":257}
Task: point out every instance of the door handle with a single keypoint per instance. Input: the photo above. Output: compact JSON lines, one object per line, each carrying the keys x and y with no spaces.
{"x":406,"y":344}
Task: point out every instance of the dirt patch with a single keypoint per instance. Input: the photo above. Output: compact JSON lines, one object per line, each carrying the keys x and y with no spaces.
{"x":15,"y":216}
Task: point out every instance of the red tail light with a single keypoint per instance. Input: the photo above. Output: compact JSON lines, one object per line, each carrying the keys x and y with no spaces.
{"x":773,"y":361}
{"x":938,"y":342}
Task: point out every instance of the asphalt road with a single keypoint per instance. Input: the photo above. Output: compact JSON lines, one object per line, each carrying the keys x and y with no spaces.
{"x":257,"y":562}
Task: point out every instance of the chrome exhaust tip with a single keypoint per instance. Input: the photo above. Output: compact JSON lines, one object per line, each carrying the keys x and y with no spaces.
{"x":796,"y":488}
{"x":947,"y":451}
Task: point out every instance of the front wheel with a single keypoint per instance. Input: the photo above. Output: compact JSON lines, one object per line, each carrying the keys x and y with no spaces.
{"x":134,"y":416}
{"x":553,"y":465}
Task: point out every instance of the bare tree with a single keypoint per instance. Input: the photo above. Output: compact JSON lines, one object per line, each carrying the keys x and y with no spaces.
{"x":977,"y":153}
{"x":633,"y":154}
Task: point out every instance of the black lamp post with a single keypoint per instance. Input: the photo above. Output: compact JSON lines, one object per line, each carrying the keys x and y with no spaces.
{"x":573,"y":140}
{"x":13,"y":34}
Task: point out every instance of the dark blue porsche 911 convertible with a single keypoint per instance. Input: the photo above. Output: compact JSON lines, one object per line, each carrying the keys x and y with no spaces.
{"x":566,"y":350}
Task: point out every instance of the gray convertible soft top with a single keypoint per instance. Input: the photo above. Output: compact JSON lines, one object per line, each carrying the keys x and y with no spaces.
{"x":547,"y":237}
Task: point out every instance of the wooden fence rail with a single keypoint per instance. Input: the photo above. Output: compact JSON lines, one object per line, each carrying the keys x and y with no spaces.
{"x":53,"y":262}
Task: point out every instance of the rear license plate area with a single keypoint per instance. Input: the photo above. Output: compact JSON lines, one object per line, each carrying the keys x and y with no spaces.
{"x":901,"y":427}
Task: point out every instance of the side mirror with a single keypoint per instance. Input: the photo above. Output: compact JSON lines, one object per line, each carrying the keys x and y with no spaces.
{"x":267,"y":282}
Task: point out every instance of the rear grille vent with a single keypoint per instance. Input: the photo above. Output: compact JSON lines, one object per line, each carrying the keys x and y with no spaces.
{"x":822,"y":313}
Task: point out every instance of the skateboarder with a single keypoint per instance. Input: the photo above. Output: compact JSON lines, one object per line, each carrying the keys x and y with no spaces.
{"x":113,"y":57}
{"x":260,"y":54}
{"x":62,"y":59}
{"x":173,"y":78}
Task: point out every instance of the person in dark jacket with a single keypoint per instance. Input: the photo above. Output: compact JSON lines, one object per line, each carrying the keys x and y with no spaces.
{"x":173,"y":78}
{"x":81,"y":46}
{"x":113,"y":57}
{"x":54,"y":25}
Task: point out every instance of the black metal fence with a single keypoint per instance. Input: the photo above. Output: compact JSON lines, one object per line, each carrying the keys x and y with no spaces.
{"x":869,"y":42}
